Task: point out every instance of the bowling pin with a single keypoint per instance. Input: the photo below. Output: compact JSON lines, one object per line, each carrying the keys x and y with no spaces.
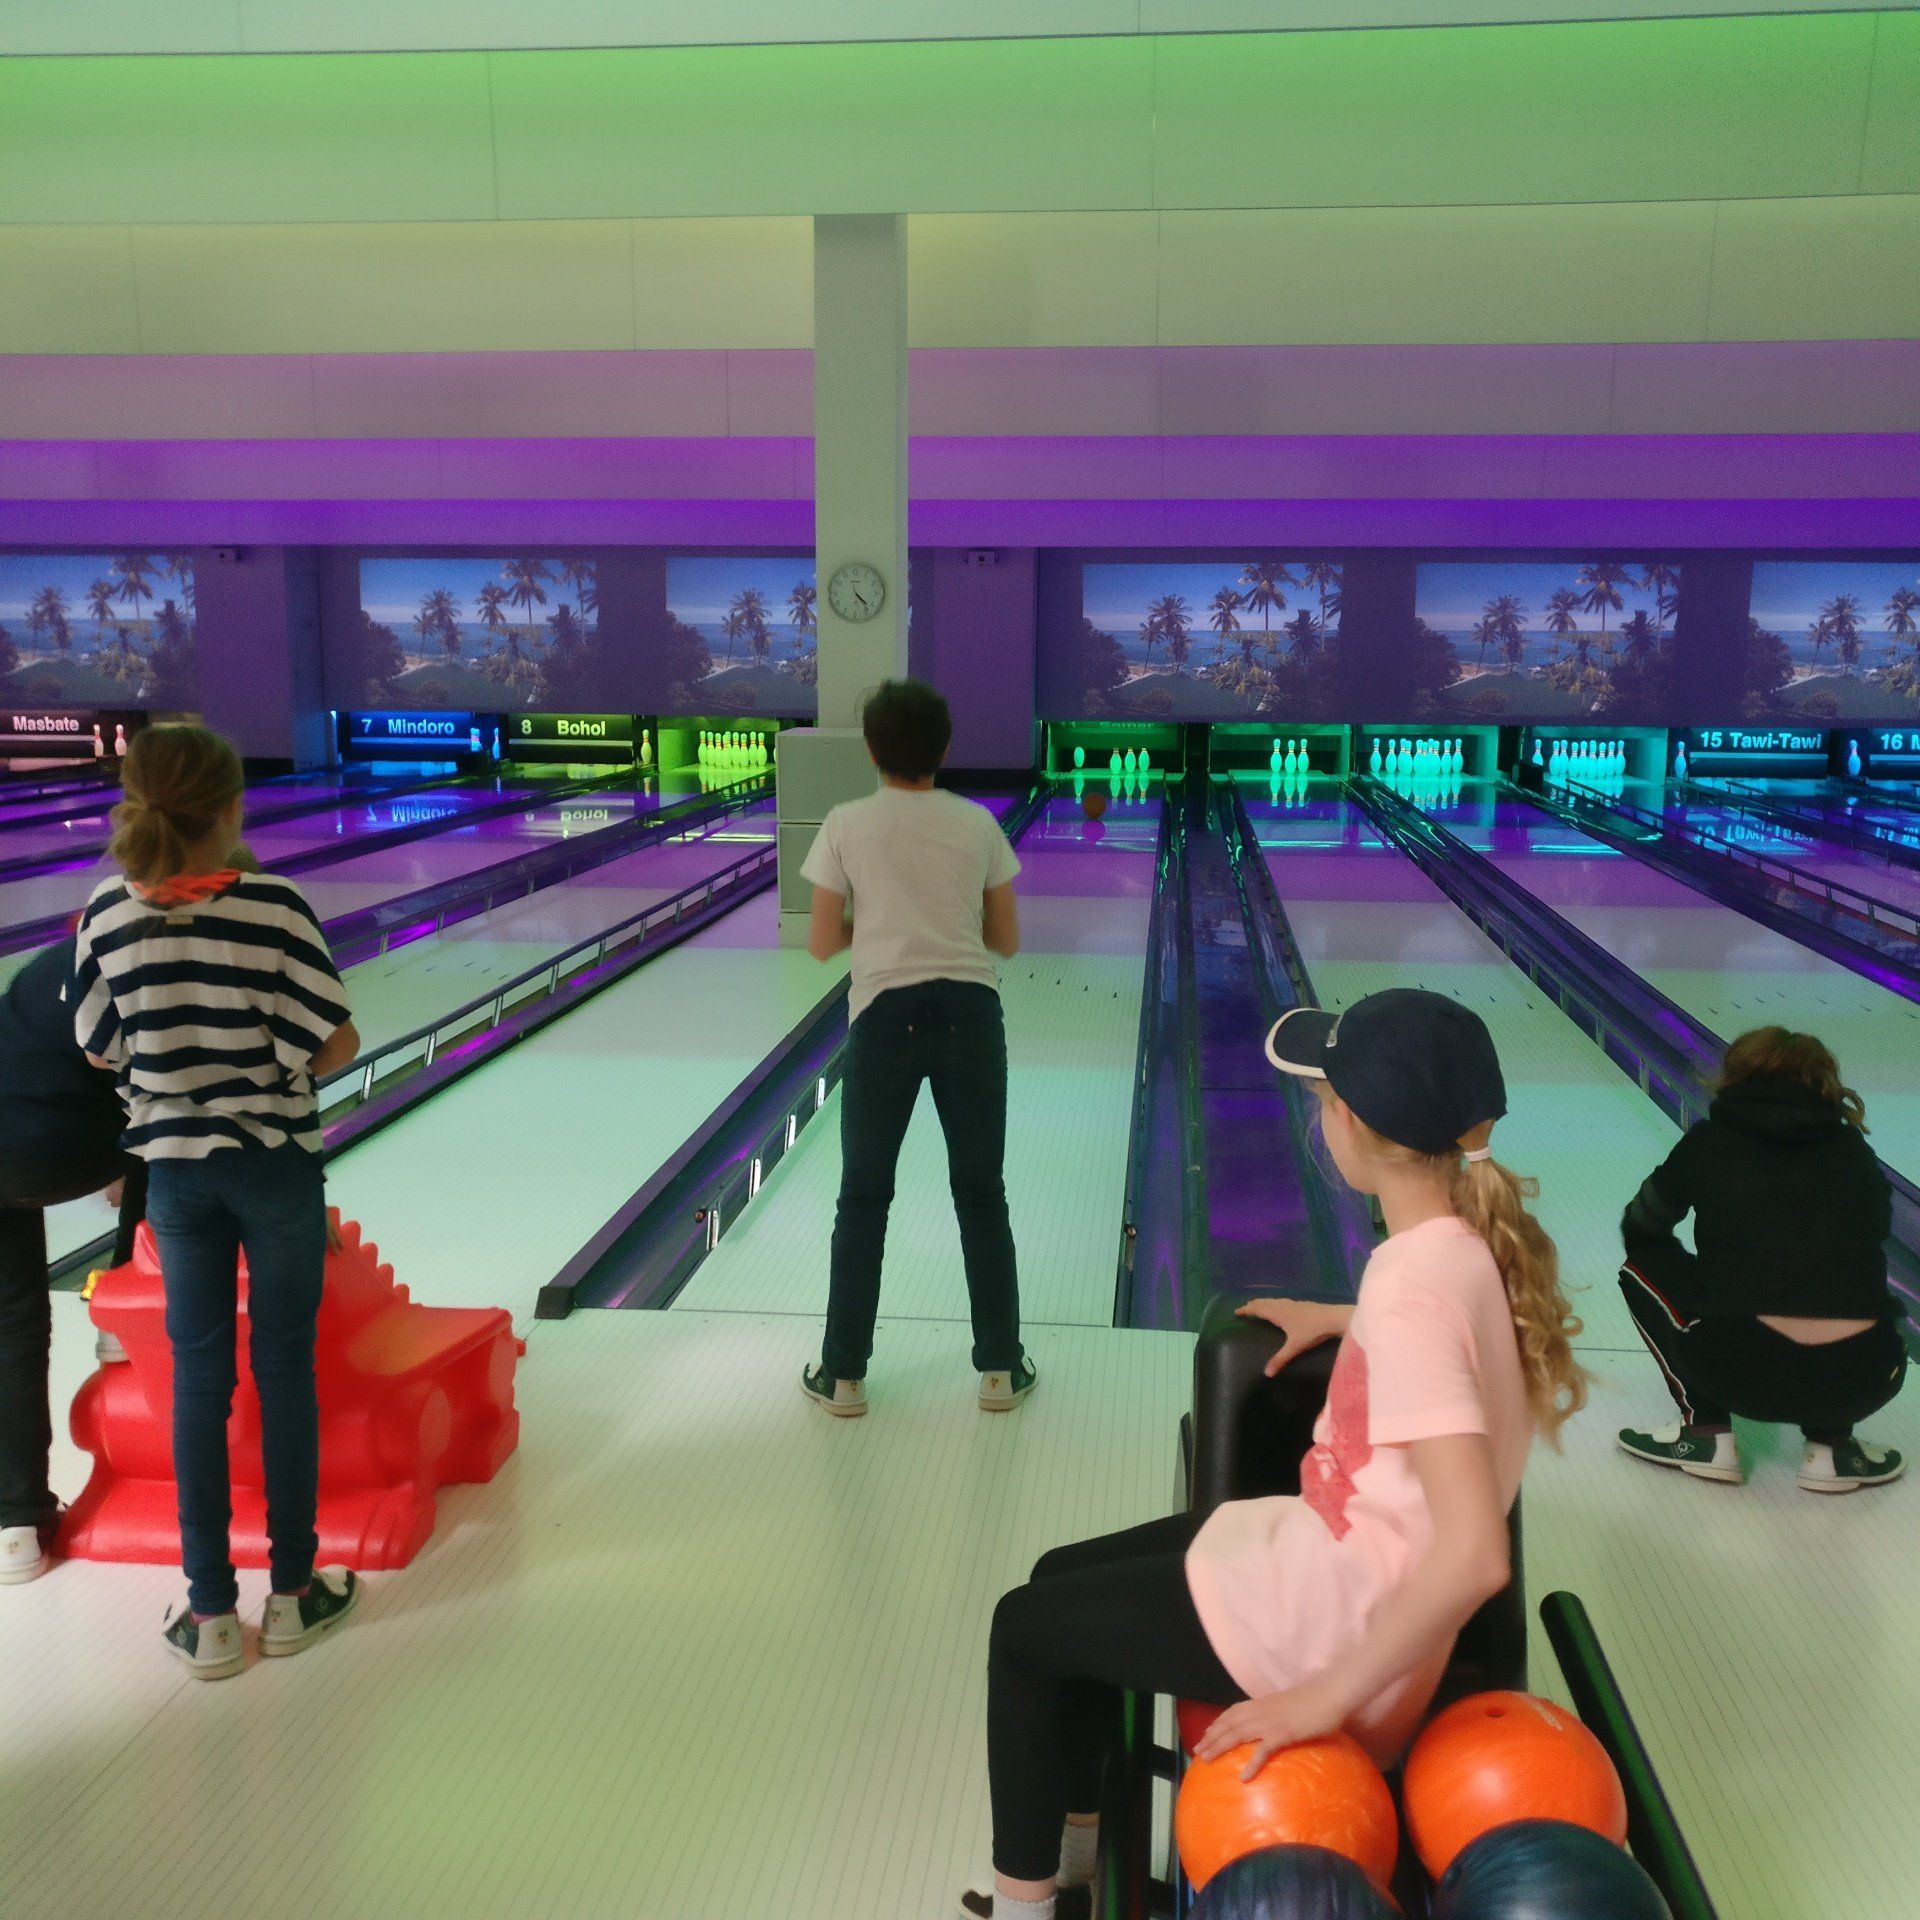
{"x":1537,"y":760}
{"x":1146,"y":766}
{"x":99,"y":742}
{"x":120,"y":741}
{"x":1853,"y":759}
{"x":1132,"y":761}
{"x":1680,"y":761}
{"x":1376,"y":765}
{"x":646,"y":748}
{"x":1079,"y":758}
{"x":1113,"y":764}
{"x":1275,"y":765}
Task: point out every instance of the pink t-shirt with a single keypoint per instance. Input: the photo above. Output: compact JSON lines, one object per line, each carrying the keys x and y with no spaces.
{"x":1285,"y":1586}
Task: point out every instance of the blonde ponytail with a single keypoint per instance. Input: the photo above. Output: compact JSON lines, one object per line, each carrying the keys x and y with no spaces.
{"x":1492,"y":1199}
{"x":177,"y":782}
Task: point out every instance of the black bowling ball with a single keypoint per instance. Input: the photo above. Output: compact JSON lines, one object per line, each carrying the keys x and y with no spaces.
{"x":1292,"y":1883}
{"x":1546,"y":1870}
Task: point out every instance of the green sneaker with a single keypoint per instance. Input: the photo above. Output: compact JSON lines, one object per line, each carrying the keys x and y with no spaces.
{"x":1707,"y":1456}
{"x":209,"y":1649}
{"x":1848,"y":1467}
{"x":844,"y":1399}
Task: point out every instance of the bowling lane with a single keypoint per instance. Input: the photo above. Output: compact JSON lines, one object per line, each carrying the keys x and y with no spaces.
{"x":1072,"y":1004}
{"x":1367,"y":918}
{"x":425,"y":980}
{"x":482,"y":1195}
{"x":1729,"y":972}
{"x":36,"y":896}
{"x":1804,"y":848}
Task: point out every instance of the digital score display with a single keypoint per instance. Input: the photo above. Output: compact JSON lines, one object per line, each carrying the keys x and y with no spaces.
{"x":64,"y":733}
{"x":1755,"y":743}
{"x":572,"y":736}
{"x":1887,"y":746}
{"x":439,"y":736}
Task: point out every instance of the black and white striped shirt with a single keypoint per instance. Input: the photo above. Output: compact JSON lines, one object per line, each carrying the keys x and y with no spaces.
{"x":211,"y":1011}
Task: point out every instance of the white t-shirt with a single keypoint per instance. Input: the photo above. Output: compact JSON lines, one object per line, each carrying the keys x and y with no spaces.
{"x":916,"y":867}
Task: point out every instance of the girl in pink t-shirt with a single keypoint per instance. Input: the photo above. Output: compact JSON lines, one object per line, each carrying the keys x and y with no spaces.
{"x":1337,"y":1608}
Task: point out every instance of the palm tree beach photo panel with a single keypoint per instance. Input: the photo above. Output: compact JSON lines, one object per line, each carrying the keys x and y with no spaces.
{"x":1199,"y":640}
{"x":1554,"y":640}
{"x":745,"y":633}
{"x":98,"y":630}
{"x":470,"y":634}
{"x":1834,"y":640}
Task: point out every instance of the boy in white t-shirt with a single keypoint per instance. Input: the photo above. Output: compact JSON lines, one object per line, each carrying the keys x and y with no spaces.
{"x":919,"y":884}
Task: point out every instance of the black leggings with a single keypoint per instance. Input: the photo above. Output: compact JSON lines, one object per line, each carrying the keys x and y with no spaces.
{"x":26,"y":1317}
{"x":1728,"y":1363}
{"x":1097,"y":1620}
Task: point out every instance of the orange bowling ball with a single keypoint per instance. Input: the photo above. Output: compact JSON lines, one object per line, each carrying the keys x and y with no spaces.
{"x":1505,"y":1756}
{"x":1323,"y":1793}
{"x":1093,"y":804}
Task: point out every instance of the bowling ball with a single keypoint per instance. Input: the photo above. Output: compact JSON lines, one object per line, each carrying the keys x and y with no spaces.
{"x":1546,"y":1870}
{"x":1498,"y":1757}
{"x":1323,"y":1793}
{"x":1292,"y":1883}
{"x":1093,"y":804}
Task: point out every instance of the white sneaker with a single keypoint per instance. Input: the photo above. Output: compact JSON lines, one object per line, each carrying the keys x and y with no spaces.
{"x":22,"y":1556}
{"x":844,"y":1399}
{"x":1002,"y":1392}
{"x":1706,"y":1456}
{"x":294,"y":1621}
{"x":209,"y":1649}
{"x":1847,"y":1468}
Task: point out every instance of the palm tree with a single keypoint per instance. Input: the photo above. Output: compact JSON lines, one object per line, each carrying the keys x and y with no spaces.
{"x":123,"y":661}
{"x":1641,"y":636}
{"x":1223,"y":620}
{"x":180,"y":566}
{"x":492,"y":597}
{"x":732,"y":627}
{"x":1513,"y":645}
{"x":48,"y":614}
{"x":1561,"y":617}
{"x":424,"y":624}
{"x":801,"y":614}
{"x":1263,"y":580}
{"x":526,"y":585}
{"x":1901,"y":624}
{"x":1303,"y":635}
{"x":1822,"y":636}
{"x":1150,"y":634}
{"x":440,"y":619}
{"x":1602,"y":582}
{"x":584,"y":578}
{"x":133,"y":569}
{"x":1509,"y":620}
{"x":1665,"y":582}
{"x":751,"y":605}
{"x":1172,"y":619}
{"x":1485,"y":631}
{"x":100,"y":604}
{"x":1323,"y":576}
{"x":1841,"y":617}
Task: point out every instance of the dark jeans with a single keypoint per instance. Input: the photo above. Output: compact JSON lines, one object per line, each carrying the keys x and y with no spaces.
{"x":951,"y":1035}
{"x":271,"y":1202}
{"x":1096,"y":1620}
{"x":57,"y":1171}
{"x":1725,"y":1364}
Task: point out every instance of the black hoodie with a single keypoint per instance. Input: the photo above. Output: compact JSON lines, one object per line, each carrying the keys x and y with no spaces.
{"x":51,"y":1101}
{"x":1790,"y":1209}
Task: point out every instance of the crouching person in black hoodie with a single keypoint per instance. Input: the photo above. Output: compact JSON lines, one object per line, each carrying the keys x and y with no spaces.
{"x":1783,"y":1313}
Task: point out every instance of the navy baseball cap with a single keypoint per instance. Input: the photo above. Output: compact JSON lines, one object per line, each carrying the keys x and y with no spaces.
{"x":1418,"y":1068}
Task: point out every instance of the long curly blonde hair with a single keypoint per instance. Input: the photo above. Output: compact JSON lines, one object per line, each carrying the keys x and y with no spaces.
{"x":1492,"y":1200}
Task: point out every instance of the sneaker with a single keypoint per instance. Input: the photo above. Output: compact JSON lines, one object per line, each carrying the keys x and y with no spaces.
{"x":212,"y":1649}
{"x":1707,"y":1456}
{"x":844,"y":1399}
{"x":23,"y":1554}
{"x":294,"y":1621}
{"x":1069,"y":1903}
{"x":1002,"y":1392}
{"x":1848,"y":1467}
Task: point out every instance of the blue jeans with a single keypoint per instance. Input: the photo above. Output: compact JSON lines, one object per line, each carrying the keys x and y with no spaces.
{"x":271,"y":1202}
{"x":950,"y":1034}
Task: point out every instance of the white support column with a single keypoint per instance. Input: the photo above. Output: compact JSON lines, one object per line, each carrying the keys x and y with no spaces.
{"x":860,"y":517}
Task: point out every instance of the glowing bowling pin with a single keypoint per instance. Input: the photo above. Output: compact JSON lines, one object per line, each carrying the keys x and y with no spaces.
{"x":1375,"y":764}
{"x":1079,"y":758}
{"x":1853,"y":759}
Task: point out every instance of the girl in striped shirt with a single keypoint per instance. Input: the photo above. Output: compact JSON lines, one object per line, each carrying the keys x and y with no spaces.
{"x":210,"y":991}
